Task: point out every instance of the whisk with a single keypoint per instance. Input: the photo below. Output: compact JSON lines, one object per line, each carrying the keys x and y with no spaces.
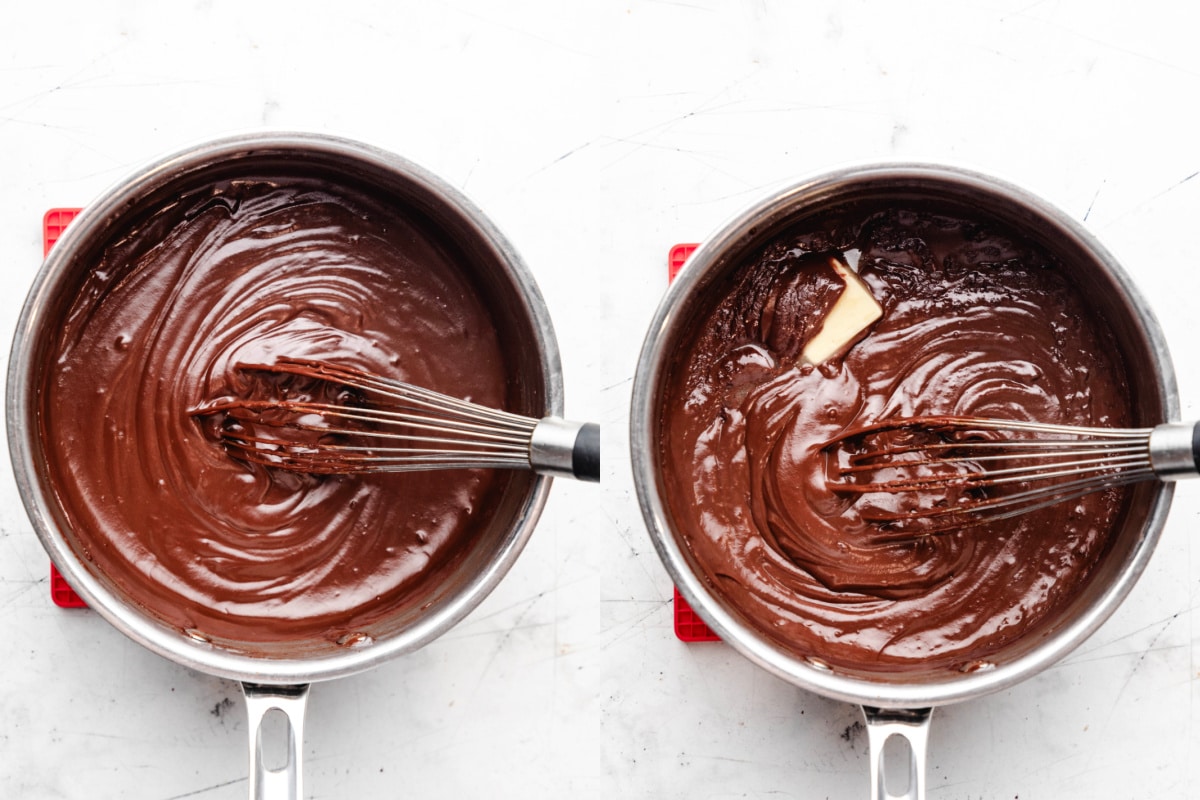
{"x":967,"y":471}
{"x":386,"y":425}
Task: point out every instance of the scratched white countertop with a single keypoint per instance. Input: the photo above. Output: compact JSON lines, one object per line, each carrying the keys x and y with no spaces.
{"x":596,"y":135}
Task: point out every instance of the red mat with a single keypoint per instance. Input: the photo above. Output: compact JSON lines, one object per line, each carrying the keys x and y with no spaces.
{"x":53,"y":224}
{"x":688,"y":625}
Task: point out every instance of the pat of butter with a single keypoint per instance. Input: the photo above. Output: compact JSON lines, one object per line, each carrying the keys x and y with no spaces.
{"x":855,"y":310}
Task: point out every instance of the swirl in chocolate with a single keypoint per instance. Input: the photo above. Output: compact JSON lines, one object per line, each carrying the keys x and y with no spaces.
{"x":976,"y":322}
{"x":242,"y":272}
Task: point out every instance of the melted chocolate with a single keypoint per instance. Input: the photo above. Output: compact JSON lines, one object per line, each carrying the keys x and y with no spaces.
{"x":243,"y":272}
{"x":977,"y":322}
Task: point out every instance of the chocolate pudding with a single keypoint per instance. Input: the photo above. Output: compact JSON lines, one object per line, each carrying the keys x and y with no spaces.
{"x":977,"y":321}
{"x":247,"y":271}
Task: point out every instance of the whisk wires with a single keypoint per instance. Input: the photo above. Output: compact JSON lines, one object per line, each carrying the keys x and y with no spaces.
{"x":973,"y":470}
{"x":396,"y":427}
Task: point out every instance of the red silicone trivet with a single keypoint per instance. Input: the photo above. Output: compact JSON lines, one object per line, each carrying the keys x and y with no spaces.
{"x":676,"y":258}
{"x":53,"y":224}
{"x":61,"y":592}
{"x":688,"y":625}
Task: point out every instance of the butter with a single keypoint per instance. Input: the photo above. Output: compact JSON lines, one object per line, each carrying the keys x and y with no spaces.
{"x":855,"y":310}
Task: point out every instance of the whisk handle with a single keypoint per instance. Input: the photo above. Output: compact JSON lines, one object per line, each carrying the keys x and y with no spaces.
{"x":566,"y":449}
{"x":585,"y":458}
{"x":1175,"y":450}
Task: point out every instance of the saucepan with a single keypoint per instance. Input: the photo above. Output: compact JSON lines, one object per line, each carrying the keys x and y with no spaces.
{"x":276,"y":677}
{"x":900,"y":703}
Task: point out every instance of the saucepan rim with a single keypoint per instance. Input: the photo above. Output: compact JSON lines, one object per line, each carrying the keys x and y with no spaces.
{"x":96,"y":220}
{"x":710,"y":262}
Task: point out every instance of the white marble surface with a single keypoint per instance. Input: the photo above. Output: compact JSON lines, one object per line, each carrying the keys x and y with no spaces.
{"x":596,"y":135}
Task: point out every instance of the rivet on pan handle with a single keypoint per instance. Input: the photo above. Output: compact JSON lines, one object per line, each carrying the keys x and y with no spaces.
{"x":287,"y":781}
{"x":911,"y":725}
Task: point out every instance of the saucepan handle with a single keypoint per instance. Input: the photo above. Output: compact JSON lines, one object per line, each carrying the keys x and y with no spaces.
{"x":267,"y":781}
{"x":911,"y":725}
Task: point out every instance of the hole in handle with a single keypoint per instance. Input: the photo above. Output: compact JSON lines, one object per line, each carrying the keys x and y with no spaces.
{"x":899,"y":767}
{"x":276,"y":741}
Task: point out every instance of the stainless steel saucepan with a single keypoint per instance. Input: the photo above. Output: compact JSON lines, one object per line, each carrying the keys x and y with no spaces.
{"x":279,"y":678}
{"x":901,"y":704}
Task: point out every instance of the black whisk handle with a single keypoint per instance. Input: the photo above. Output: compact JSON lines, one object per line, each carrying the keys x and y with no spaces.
{"x":585,"y":458}
{"x":566,"y":449}
{"x":1196,"y":447}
